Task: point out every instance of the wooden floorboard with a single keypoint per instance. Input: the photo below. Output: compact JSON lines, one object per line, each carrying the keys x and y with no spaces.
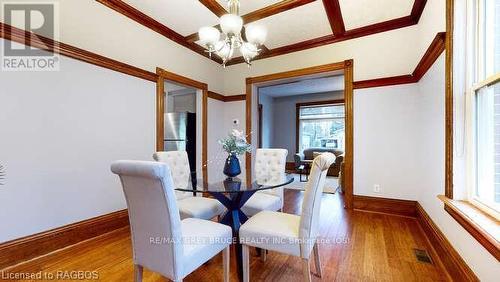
{"x":362,"y":246}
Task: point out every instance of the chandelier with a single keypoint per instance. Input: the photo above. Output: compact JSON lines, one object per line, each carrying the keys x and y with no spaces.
{"x":231,"y":39}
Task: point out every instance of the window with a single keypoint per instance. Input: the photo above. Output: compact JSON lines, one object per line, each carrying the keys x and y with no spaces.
{"x":321,"y":126}
{"x":485,"y":190}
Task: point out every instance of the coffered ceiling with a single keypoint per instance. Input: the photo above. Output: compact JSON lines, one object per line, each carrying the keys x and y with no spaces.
{"x":293,"y":25}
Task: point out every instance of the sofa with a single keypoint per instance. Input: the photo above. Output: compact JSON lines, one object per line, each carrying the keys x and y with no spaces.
{"x":307,"y":156}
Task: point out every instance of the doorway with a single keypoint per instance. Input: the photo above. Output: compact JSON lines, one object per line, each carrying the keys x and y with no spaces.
{"x":181,"y":103}
{"x":345,"y":69}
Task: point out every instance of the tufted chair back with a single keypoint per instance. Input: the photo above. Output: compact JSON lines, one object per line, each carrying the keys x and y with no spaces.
{"x":154,"y":216}
{"x":179,"y":166}
{"x":309,"y":219}
{"x":270,"y":167}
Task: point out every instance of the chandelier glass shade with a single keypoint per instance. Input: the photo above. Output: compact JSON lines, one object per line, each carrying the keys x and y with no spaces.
{"x":224,"y":44}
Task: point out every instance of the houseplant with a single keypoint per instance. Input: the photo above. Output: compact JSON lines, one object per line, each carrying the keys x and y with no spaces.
{"x":235,"y":144}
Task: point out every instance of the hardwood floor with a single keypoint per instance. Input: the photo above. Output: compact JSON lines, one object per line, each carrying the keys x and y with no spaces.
{"x":362,"y":246}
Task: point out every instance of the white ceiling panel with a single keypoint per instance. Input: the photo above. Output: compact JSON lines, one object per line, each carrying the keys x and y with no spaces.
{"x":183,"y":16}
{"x":247,"y":6}
{"x":296,"y":25}
{"x":359,"y":13}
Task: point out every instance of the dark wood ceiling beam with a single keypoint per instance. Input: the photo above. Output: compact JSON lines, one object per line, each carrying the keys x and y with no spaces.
{"x":143,"y":19}
{"x":274,"y":9}
{"x":215,"y":7}
{"x":265,"y":12}
{"x":430,"y":56}
{"x":329,"y":39}
{"x":417,"y":10}
{"x":334,"y":14}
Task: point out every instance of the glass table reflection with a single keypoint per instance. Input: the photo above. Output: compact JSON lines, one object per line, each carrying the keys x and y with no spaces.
{"x":233,"y":193}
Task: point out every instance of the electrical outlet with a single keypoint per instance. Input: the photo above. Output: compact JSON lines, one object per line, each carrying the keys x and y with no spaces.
{"x":376,"y":188}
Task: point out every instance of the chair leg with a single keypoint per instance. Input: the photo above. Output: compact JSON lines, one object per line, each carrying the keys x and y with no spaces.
{"x":246,"y":263}
{"x":306,"y":269}
{"x":263,"y":255}
{"x":226,"y":262}
{"x":317,"y":260}
{"x":138,"y":273}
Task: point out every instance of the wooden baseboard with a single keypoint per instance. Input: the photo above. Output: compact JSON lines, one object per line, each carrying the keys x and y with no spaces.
{"x":385,"y":205}
{"x":452,"y":261}
{"x":26,"y":248}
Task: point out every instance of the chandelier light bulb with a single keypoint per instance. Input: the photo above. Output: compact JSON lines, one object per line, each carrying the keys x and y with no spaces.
{"x":256,"y":34}
{"x":223,"y":50}
{"x":231,"y":24}
{"x":224,"y":43}
{"x":209,"y":36}
{"x":249,"y":51}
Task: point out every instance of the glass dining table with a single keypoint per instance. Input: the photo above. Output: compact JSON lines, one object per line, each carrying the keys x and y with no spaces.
{"x":233,"y":193}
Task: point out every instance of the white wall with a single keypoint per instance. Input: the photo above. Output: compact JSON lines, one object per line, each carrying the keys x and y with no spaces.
{"x":94,"y":27}
{"x":60,"y":132}
{"x":386,"y":141}
{"x":431,"y":103}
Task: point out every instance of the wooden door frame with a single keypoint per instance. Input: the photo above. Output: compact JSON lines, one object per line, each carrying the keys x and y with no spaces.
{"x":160,"y":110}
{"x":347,"y":66}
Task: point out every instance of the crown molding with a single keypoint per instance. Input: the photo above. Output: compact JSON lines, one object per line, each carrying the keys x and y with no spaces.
{"x":37,"y":41}
{"x":432,"y":53}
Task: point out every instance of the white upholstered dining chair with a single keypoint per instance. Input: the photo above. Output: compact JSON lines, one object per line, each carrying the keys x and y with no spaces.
{"x":286,"y":233}
{"x":161,"y":241}
{"x":189,"y":205}
{"x":269,"y":168}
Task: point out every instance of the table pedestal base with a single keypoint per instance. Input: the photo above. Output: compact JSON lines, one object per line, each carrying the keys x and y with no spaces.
{"x":234,"y":218}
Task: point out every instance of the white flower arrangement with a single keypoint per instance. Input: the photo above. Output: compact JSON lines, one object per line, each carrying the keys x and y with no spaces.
{"x":235,"y":143}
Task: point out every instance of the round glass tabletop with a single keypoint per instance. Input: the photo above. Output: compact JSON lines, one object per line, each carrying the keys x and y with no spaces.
{"x":236,"y":185}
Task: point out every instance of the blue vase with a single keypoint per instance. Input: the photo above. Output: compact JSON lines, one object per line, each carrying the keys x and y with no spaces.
{"x":232,"y":166}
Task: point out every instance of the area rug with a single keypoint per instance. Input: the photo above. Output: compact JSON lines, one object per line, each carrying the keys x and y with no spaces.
{"x":331,"y":184}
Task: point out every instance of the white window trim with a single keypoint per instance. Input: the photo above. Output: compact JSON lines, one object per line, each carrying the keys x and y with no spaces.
{"x":473,"y":84}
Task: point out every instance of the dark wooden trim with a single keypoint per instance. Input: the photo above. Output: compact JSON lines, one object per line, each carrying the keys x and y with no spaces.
{"x":334,"y":14}
{"x":449,"y":257}
{"x":432,"y":53}
{"x":145,"y":20}
{"x":259,"y":138}
{"x":223,"y":98}
{"x":274,"y":9}
{"x":214,"y":7}
{"x":347,"y":66}
{"x":160,"y":106}
{"x":349,"y":133}
{"x":181,"y":79}
{"x":29,"y":247}
{"x":319,"y":103}
{"x":417,"y":9}
{"x":330,"y":39}
{"x":28,"y":38}
{"x":304,"y":104}
{"x":430,"y":56}
{"x":216,"y":96}
{"x":204,"y":137}
{"x":297,"y":73}
{"x":385,"y":81}
{"x":448,"y":190}
{"x":160,"y":111}
{"x":234,"y":98}
{"x":265,"y":12}
{"x":385,"y":205}
{"x":468,"y":215}
{"x":188,"y":41}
